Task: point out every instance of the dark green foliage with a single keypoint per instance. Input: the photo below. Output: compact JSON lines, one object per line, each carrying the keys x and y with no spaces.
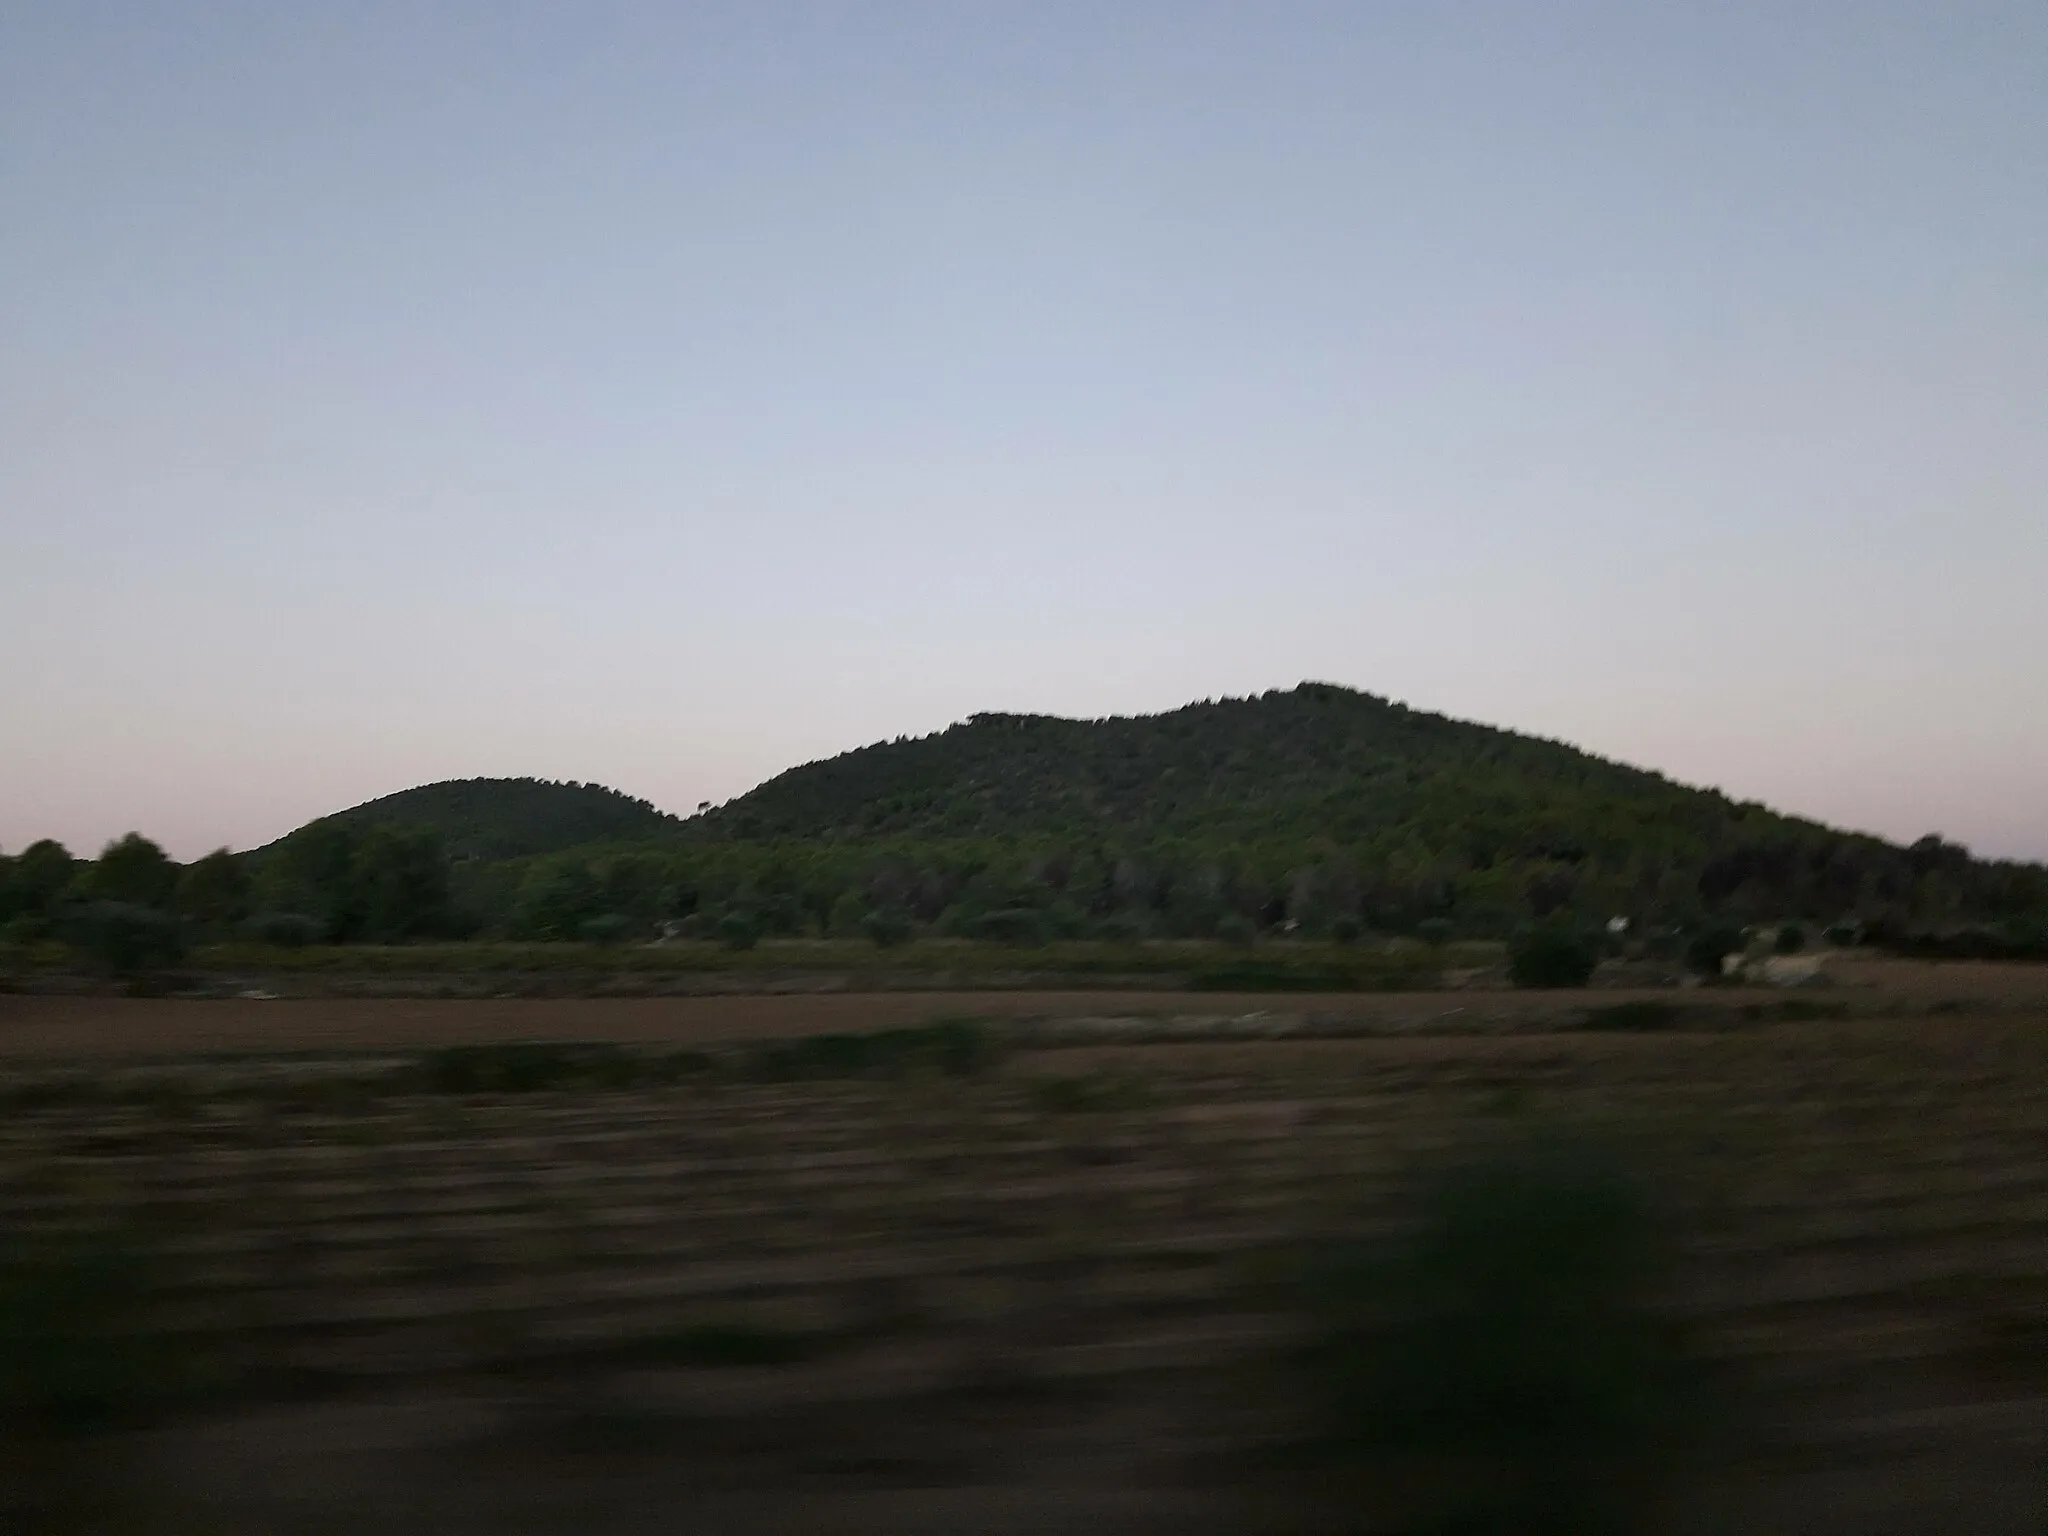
{"x":1507,"y":1347}
{"x":78,"y":1352}
{"x":378,"y":884}
{"x":1347,"y":929}
{"x":287,"y":930}
{"x":216,"y":890}
{"x":1552,"y":957}
{"x":123,"y":939}
{"x":42,"y":873}
{"x":1434,"y":930}
{"x":1791,"y":939}
{"x":955,"y":1047}
{"x":610,"y":928}
{"x":739,"y":931}
{"x":1634,"y":1016}
{"x":1235,"y":928}
{"x":1705,"y":951}
{"x":135,"y":871}
{"x":511,"y":818}
{"x":887,"y":929}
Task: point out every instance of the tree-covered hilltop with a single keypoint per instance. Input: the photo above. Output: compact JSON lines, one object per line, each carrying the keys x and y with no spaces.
{"x":509,"y":818}
{"x":1317,"y":811}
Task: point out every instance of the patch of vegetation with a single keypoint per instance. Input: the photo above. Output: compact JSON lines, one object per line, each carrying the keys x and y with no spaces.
{"x":1272,"y":975}
{"x":538,"y":1066}
{"x":955,"y":1047}
{"x":1705,"y":951}
{"x":1552,"y":957}
{"x":1505,"y":1353}
{"x":1081,"y":1095}
{"x":1641,"y":1015}
{"x":78,"y":1349}
{"x":123,"y":939}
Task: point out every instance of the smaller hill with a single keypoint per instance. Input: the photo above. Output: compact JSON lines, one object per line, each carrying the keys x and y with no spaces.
{"x":512,"y":818}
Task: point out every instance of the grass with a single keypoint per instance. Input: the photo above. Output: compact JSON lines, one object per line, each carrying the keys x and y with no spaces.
{"x":1499,"y":1359}
{"x":1078,"y":1095}
{"x":78,"y":1352}
{"x":954,"y":1047}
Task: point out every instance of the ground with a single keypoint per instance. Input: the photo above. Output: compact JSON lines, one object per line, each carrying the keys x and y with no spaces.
{"x":1059,"y":1292}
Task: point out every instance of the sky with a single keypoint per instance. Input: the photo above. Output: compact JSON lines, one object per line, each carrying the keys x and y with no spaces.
{"x":666,"y":394}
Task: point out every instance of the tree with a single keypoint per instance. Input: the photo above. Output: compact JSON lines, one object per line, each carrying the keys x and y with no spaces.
{"x":400,"y":884}
{"x":134,"y":870}
{"x":124,"y":939}
{"x":215,"y":890}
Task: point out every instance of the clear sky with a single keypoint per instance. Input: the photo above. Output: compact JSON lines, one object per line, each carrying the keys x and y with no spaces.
{"x":665,"y":394}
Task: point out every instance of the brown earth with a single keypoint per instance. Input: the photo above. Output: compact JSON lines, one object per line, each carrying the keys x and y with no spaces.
{"x":47,"y":1026}
{"x":1054,"y":1296}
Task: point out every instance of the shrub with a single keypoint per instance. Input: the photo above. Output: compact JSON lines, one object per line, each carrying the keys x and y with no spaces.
{"x":287,"y":930}
{"x":124,"y":939}
{"x":1505,"y":1347}
{"x":1551,"y":957}
{"x":1013,"y":925}
{"x":955,"y":1047}
{"x":738,"y":931}
{"x":1791,"y":939}
{"x":1346,"y":929}
{"x":76,"y":1351}
{"x":886,"y":928}
{"x":1434,"y":930}
{"x":1705,"y":951}
{"x":609,"y":929}
{"x":1235,"y":928}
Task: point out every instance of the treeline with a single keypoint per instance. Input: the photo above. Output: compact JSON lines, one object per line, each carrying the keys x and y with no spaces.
{"x":340,"y":881}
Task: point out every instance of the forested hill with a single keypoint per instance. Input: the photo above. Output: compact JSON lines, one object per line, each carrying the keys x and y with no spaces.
{"x":1318,"y":761}
{"x":512,"y":818}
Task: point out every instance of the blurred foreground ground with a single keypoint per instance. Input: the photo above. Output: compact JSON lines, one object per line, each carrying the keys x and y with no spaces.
{"x":1061,"y":1291}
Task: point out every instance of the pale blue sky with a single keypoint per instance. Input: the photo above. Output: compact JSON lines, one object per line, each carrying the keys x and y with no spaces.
{"x":665,"y":394}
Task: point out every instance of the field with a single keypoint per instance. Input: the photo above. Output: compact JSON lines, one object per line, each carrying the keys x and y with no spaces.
{"x":1018,"y":1276}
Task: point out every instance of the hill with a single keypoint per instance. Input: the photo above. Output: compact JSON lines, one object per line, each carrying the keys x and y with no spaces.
{"x":493,"y":819}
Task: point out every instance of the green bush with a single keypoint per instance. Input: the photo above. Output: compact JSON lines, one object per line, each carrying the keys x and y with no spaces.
{"x":955,"y":1047}
{"x":738,"y":931}
{"x":1551,"y":957}
{"x":1705,"y":950}
{"x":1791,"y":939}
{"x":287,"y":930}
{"x":886,"y":928}
{"x":77,"y":1351}
{"x":1346,"y":929}
{"x":1235,"y":928}
{"x":1505,"y":1348}
{"x":123,"y":939}
{"x":606,"y":930}
{"x":1434,"y":930}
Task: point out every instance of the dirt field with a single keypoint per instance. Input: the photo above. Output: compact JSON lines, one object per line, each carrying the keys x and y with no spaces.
{"x":32,"y":1026}
{"x":1053,"y":1294}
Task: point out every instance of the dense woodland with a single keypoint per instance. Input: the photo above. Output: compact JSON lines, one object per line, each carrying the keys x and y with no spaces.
{"x":1318,"y":811}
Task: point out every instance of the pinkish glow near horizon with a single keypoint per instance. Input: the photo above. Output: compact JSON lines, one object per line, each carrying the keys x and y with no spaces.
{"x":666,"y":395}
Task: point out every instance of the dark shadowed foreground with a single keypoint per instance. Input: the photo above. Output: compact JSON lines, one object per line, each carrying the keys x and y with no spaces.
{"x":1785,"y":1278}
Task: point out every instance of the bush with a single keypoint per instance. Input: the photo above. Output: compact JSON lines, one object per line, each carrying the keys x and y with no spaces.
{"x":123,"y":939}
{"x":1791,"y":939}
{"x":1235,"y":928}
{"x":1551,"y":957}
{"x":76,"y":1351}
{"x":738,"y":931}
{"x":1705,"y":951}
{"x":886,"y":928}
{"x":1012,"y":925}
{"x":1434,"y":930}
{"x":1632,"y":1016}
{"x":1506,"y":1347}
{"x":287,"y":930}
{"x":1346,"y":929}
{"x":609,"y":929}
